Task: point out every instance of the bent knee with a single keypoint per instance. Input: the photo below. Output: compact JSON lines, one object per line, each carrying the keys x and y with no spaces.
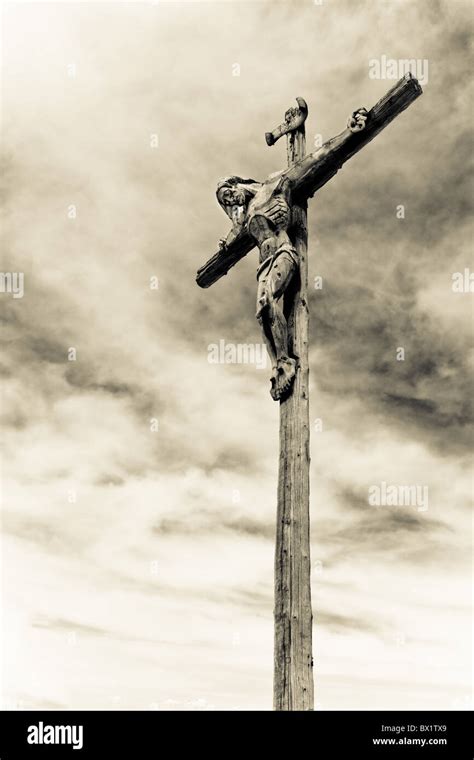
{"x":267,"y":307}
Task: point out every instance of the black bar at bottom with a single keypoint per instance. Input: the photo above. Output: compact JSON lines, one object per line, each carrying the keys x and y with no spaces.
{"x":161,"y":733}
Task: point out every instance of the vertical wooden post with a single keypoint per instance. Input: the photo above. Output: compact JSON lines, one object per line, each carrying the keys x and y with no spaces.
{"x":293,"y":674}
{"x":293,"y":663}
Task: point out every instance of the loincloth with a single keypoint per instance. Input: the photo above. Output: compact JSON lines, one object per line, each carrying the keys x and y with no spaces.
{"x":267,"y":265}
{"x":264,"y":272}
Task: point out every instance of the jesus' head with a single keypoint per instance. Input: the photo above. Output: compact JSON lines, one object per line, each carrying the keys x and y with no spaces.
{"x":233,"y":195}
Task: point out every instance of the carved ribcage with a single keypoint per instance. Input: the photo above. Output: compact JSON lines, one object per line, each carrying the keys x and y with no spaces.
{"x":278,"y":213}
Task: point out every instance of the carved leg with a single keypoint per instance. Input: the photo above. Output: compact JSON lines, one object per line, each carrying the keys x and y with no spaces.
{"x":265,"y":324}
{"x":286,"y":367}
{"x":275,"y":334}
{"x":272,"y":286}
{"x":268,"y":338}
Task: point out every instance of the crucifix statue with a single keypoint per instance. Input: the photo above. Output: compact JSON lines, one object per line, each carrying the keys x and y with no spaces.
{"x":272,"y":216}
{"x":263,"y":211}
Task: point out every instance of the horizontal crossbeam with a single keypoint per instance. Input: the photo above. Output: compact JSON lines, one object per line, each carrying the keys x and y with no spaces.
{"x":317,"y":168}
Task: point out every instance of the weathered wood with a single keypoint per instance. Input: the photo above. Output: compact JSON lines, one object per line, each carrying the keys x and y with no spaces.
{"x":316,"y":169}
{"x":275,"y":213}
{"x":294,"y":119}
{"x":293,"y":664}
{"x":311,"y":173}
{"x":222,"y":261}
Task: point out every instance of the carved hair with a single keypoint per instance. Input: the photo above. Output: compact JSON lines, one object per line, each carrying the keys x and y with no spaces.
{"x":233,"y":182}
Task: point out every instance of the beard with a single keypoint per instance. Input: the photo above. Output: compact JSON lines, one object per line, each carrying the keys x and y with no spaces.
{"x":238,"y":214}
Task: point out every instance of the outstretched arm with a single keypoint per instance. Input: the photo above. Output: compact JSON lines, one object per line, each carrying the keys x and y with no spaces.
{"x":315,"y":169}
{"x":234,"y":233}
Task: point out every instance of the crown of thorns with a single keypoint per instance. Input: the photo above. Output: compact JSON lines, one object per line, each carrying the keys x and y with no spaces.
{"x":232,"y":182}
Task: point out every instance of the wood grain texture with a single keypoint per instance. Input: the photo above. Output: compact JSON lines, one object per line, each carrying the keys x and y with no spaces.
{"x":293,"y":664}
{"x":308,"y":175}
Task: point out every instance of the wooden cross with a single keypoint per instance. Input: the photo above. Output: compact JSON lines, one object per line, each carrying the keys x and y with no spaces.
{"x":290,"y":189}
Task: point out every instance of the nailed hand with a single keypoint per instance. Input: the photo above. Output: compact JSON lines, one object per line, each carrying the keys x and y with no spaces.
{"x":356,"y":122}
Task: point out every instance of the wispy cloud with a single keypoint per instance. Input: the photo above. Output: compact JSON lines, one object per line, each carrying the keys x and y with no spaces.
{"x":140,"y":480}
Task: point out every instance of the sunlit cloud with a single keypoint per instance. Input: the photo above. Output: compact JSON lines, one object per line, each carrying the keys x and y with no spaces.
{"x":140,"y":479}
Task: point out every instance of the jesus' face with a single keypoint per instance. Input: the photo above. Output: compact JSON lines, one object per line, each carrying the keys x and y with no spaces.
{"x":233,"y":200}
{"x":232,"y":196}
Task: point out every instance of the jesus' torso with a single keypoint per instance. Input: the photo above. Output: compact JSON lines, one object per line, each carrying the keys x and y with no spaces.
{"x":268,"y":211}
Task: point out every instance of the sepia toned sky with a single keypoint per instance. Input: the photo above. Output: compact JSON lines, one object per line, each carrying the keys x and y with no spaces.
{"x":138,"y":562}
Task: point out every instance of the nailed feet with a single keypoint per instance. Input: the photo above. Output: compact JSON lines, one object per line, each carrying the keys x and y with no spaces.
{"x":282,"y":378}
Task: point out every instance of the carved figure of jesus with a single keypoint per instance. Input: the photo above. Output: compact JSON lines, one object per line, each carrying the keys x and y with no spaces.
{"x":263,"y":209}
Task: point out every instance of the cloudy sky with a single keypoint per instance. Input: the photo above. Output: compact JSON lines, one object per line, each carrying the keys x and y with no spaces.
{"x":138,"y":555}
